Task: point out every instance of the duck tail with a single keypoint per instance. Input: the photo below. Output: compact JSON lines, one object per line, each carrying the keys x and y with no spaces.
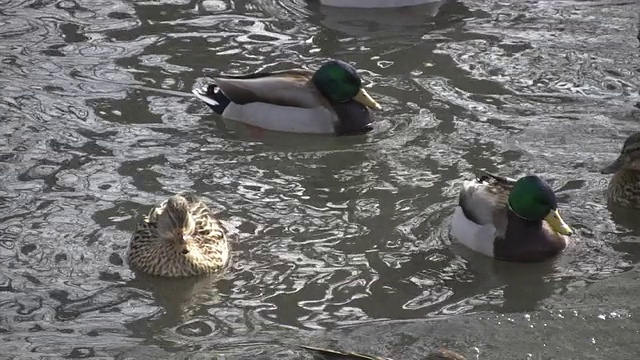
{"x":486,"y":176}
{"x":213,"y":97}
{"x":482,"y":177}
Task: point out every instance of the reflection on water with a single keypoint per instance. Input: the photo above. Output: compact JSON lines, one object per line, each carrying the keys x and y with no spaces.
{"x":341,"y":234}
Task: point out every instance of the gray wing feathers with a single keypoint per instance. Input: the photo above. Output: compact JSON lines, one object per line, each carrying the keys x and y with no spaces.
{"x":484,"y":200}
{"x":290,"y":88}
{"x":475,"y":203}
{"x":496,"y":180}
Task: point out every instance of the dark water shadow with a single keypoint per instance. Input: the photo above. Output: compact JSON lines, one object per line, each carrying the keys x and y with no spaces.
{"x":629,"y":236}
{"x":521,"y":287}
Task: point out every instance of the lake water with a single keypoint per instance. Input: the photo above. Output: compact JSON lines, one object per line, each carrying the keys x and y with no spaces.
{"x":339,"y":241}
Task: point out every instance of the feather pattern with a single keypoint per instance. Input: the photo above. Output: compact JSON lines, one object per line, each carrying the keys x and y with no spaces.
{"x":484,"y":200}
{"x":207,"y":248}
{"x":292,"y":100}
{"x":285,"y":88}
{"x":624,"y":187}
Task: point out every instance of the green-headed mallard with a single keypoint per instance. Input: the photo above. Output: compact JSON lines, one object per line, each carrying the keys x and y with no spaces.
{"x":330,"y":100}
{"x":442,"y":354}
{"x":624,"y":187}
{"x":179,"y":238}
{"x":509,"y":219}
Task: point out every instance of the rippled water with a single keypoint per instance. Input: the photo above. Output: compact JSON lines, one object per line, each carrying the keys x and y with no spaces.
{"x":339,"y":241}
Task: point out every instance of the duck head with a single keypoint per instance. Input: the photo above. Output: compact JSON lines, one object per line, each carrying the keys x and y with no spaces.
{"x":340,"y":83}
{"x":531,"y":198}
{"x":176,"y":224}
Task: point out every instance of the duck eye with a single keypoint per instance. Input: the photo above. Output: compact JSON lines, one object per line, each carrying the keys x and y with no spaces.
{"x":185,"y":251}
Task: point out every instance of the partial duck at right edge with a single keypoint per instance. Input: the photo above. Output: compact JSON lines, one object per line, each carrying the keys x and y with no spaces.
{"x":624,"y":186}
{"x":180,"y":238}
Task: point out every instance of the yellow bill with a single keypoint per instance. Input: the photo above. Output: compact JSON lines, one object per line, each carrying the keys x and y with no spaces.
{"x":557,"y":224}
{"x":365,"y":99}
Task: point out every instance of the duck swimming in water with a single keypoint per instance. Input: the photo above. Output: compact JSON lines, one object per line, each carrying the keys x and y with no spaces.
{"x":508,"y":219}
{"x":330,"y":100}
{"x":179,"y":238}
{"x":624,"y":186}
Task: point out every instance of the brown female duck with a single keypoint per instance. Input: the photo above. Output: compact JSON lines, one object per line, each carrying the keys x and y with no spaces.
{"x":179,"y":238}
{"x":624,"y":187}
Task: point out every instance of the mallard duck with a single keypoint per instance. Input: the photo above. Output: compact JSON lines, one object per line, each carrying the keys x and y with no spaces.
{"x":375,"y":3}
{"x":179,"y":238}
{"x":442,"y":354}
{"x":509,"y":219}
{"x":624,"y":187}
{"x":330,"y":100}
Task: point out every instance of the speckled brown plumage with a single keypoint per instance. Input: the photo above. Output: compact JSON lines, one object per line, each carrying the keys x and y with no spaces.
{"x":624,"y":187}
{"x":205,"y":252}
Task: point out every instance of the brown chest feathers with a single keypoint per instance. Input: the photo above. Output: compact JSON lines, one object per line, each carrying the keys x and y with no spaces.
{"x":206,"y":251}
{"x":624,"y":188}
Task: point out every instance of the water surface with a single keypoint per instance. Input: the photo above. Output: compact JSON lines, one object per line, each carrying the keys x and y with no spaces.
{"x":338,"y":241}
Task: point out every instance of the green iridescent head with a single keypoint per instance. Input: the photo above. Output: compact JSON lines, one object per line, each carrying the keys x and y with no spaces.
{"x":533,"y":199}
{"x":340,"y":82}
{"x":629,"y":156}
